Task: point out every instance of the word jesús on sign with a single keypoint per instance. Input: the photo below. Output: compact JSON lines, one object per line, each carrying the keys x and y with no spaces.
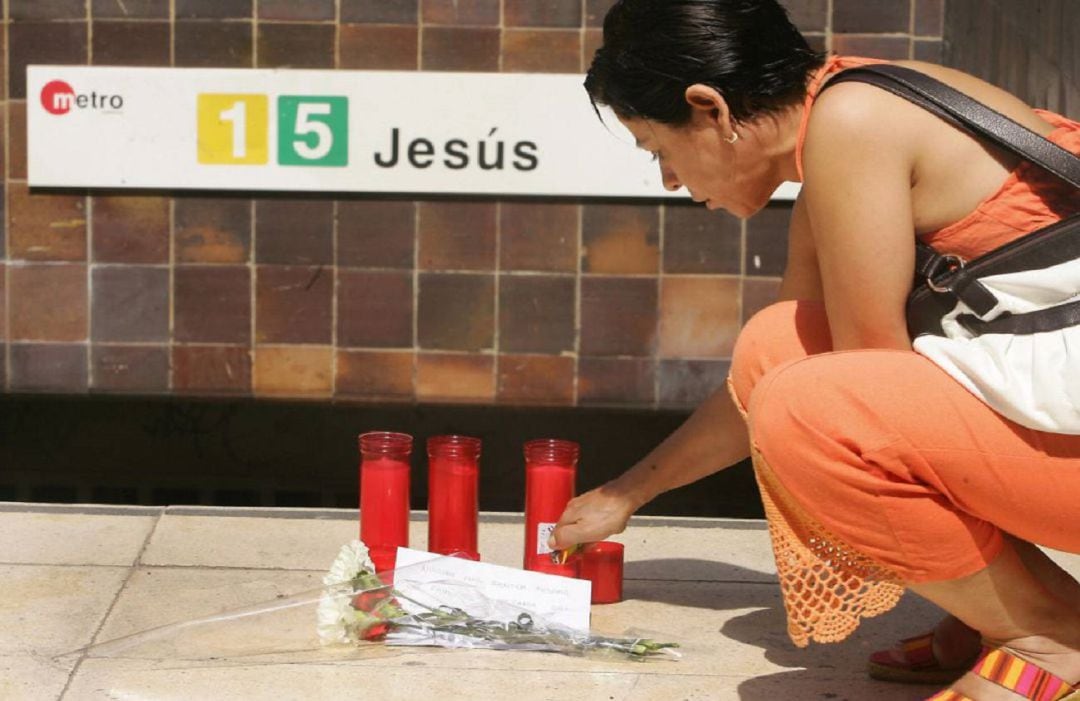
{"x":490,"y":153}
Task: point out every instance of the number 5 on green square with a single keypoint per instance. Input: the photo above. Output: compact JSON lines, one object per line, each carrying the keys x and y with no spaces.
{"x":313,"y":130}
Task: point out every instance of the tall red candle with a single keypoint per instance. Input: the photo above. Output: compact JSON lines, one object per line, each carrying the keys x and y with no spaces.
{"x":384,"y":495}
{"x":550,"y":470}
{"x":453,"y":508}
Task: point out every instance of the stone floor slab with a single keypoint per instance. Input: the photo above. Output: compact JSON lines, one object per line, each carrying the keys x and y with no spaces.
{"x":72,"y":538}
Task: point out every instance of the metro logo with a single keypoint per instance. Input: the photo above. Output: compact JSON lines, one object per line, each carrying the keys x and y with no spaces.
{"x":57,"y":97}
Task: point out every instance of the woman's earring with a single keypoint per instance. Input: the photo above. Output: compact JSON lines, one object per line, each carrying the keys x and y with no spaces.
{"x":734,"y":137}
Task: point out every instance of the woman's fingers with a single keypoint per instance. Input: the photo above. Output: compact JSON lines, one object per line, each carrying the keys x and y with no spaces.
{"x":590,"y":517}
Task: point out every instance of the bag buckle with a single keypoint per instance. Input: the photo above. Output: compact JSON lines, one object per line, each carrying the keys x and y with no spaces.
{"x":951,"y":263}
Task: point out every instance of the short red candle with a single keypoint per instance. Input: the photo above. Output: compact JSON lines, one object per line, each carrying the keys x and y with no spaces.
{"x":571,"y":568}
{"x":550,"y":470}
{"x":453,"y":508}
{"x":384,"y":495}
{"x":602,"y":564}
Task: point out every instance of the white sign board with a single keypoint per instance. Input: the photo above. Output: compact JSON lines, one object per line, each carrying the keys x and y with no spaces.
{"x":329,"y":131}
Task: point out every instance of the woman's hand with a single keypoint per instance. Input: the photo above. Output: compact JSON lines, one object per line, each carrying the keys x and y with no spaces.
{"x":593,"y":516}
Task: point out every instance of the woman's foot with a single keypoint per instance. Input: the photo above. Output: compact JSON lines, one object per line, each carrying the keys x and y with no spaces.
{"x":938,"y":657}
{"x":1027,"y":668}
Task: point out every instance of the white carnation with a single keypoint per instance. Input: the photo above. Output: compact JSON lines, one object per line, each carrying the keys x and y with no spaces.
{"x":335,"y":612}
{"x":351,"y":561}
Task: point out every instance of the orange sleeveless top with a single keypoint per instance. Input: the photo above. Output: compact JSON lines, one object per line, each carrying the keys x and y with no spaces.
{"x":1028,"y":199}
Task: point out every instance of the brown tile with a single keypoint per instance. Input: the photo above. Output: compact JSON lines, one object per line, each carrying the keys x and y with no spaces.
{"x":699,"y":241}
{"x":296,"y":45}
{"x":687,"y":383}
{"x":125,"y":9}
{"x":129,"y":368}
{"x":211,"y":369}
{"x":456,"y":235}
{"x":384,"y":47}
{"x":620,"y":239}
{"x":542,"y":13}
{"x":883,"y":47}
{"x":758,"y":293}
{"x":293,"y":304}
{"x":212,"y":304}
{"x":3,"y":303}
{"x":130,"y":229}
{"x":929,"y":18}
{"x":866,"y":16}
{"x":375,"y":309}
{"x":460,"y":49}
{"x":213,"y":44}
{"x":460,"y":12}
{"x":699,"y":316}
{"x":618,"y":316}
{"x":53,"y":43}
{"x":17,"y":140}
{"x":379,"y":11}
{"x":455,"y":377}
{"x":53,"y":367}
{"x":817,"y":42}
{"x":213,"y":9}
{"x":766,"y":240}
{"x":456,"y":311}
{"x":293,"y":371}
{"x":313,"y":10}
{"x":932,"y":50}
{"x":129,"y":303}
{"x":3,"y":367}
{"x":535,"y":379}
{"x":376,"y":234}
{"x":294,"y":232}
{"x":543,"y":51}
{"x":594,"y":39}
{"x":45,"y":227}
{"x":536,"y":313}
{"x":375,"y":374}
{"x":595,"y":11}
{"x":131,"y":44}
{"x":33,"y":295}
{"x":616,"y":381}
{"x":539,"y":237}
{"x":212,"y":230}
{"x":47,"y":9}
{"x":808,"y":15}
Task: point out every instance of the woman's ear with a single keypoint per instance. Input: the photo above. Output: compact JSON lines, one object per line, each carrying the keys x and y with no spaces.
{"x":706,"y":102}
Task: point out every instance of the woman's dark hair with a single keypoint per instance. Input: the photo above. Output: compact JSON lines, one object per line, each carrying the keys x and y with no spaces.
{"x":747,"y":50}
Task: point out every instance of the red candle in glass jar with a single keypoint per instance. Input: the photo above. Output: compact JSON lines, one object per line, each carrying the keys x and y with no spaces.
{"x":453,"y":507}
{"x":602,"y":564}
{"x":384,"y":495}
{"x":550,"y":470}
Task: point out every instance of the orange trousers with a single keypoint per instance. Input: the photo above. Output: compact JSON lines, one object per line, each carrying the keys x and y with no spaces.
{"x":892,"y":456}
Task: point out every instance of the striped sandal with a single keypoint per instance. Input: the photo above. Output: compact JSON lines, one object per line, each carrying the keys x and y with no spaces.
{"x":1018,"y":676}
{"x":917,"y":663}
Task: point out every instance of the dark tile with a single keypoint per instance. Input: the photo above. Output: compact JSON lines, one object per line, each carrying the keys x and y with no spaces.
{"x":618,"y":316}
{"x":374,"y":234}
{"x":3,"y":306}
{"x":213,"y":44}
{"x":294,"y":232}
{"x":758,"y":293}
{"x":384,"y":47}
{"x":766,"y":240}
{"x":379,"y":11}
{"x":46,"y":9}
{"x":17,"y":140}
{"x":542,"y":13}
{"x":884,"y":47}
{"x":212,"y":304}
{"x":699,"y":241}
{"x":129,"y":368}
{"x":616,"y":381}
{"x":131,"y":44}
{"x":33,"y":291}
{"x":45,"y":227}
{"x":536,"y":313}
{"x":130,"y":304}
{"x":687,"y":383}
{"x":456,"y":235}
{"x":313,"y":10}
{"x":54,"y":494}
{"x":375,"y":309}
{"x":130,"y":9}
{"x":817,"y":42}
{"x":166,"y":496}
{"x":929,"y":18}
{"x":212,"y":230}
{"x":130,"y":229}
{"x":53,"y":367}
{"x":595,"y":11}
{"x":541,"y":51}
{"x":296,"y":45}
{"x":293,"y":304}
{"x":375,"y":374}
{"x":539,"y":237}
{"x":808,"y":15}
{"x":620,"y":239}
{"x":460,"y":49}
{"x":456,"y":311}
{"x":460,"y":12}
{"x":211,"y":369}
{"x":535,"y":379}
{"x":932,"y":50}
{"x":699,"y":316}
{"x":455,"y":377}
{"x":213,"y":9}
{"x":53,"y":43}
{"x":107,"y":494}
{"x":871,"y":16}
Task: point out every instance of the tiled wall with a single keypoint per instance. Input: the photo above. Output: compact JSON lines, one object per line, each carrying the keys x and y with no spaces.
{"x":515,"y":301}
